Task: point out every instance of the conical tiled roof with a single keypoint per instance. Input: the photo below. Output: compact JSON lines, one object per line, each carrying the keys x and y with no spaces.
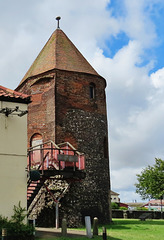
{"x":59,"y":53}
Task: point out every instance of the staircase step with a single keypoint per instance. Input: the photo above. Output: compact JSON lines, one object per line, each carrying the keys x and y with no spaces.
{"x":33,"y":184}
{"x":30,"y":191}
{"x":31,"y":188}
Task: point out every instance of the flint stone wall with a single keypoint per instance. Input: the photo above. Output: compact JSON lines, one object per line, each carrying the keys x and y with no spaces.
{"x":62,"y":111}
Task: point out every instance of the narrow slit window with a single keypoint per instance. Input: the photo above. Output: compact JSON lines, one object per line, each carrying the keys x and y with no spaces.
{"x":92,"y":90}
{"x":105,"y":147}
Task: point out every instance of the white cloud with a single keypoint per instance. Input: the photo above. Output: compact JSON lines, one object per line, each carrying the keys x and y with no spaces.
{"x":158,"y":78}
{"x":129,"y":196}
{"x":128,"y":176}
{"x":138,"y":24}
{"x":135,"y":100}
{"x":135,"y":105}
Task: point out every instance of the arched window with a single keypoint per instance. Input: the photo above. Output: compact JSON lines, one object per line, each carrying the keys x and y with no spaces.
{"x":92,"y":90}
{"x":35,"y":156}
{"x":36,"y":139}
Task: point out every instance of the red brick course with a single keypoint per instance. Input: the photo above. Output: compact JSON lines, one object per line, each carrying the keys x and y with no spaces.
{"x":63,"y":110}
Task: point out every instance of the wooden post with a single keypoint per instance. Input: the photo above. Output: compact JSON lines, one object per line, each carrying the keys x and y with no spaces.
{"x":88,"y":226}
{"x":42,"y":156}
{"x":57,"y":215}
{"x":161,"y":207}
{"x":95,"y":226}
{"x":29,"y":160}
{"x":32,"y":223}
{"x":104,"y":234}
{"x":64,"y":227}
{"x":34,"y":227}
{"x":4,"y":233}
{"x":51,"y":150}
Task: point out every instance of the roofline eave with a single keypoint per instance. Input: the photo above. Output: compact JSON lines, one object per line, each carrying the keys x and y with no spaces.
{"x":58,"y":69}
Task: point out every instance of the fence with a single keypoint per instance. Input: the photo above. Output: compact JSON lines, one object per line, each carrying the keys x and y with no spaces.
{"x":135,"y":214}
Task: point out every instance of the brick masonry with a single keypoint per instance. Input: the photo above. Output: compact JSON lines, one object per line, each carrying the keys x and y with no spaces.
{"x":62,"y":110}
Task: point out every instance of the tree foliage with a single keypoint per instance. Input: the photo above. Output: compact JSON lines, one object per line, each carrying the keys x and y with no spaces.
{"x":114,"y":205}
{"x":19,"y":214}
{"x":17,"y":229}
{"x":151,"y":181}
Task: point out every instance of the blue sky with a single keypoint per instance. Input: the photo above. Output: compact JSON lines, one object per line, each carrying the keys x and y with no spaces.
{"x":124,"y":42}
{"x":154,"y":11}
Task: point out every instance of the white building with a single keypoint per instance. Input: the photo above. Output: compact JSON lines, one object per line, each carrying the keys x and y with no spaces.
{"x":155,"y":205}
{"x":13,"y":150}
{"x":114,"y":197}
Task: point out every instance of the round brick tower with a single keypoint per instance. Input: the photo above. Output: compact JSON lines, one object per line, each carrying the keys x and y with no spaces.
{"x":69,"y":105}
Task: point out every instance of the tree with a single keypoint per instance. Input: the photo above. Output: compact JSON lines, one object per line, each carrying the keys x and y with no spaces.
{"x":114,"y":205}
{"x":151,"y":181}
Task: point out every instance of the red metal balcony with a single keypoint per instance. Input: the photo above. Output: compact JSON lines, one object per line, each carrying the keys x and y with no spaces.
{"x":49,"y":158}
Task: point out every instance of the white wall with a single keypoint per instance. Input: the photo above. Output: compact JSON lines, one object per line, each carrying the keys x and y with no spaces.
{"x":13,"y":159}
{"x":115,"y":198}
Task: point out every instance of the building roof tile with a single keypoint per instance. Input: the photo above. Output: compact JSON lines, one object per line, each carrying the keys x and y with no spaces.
{"x":7,"y":94}
{"x":155,"y":202}
{"x":59,"y":53}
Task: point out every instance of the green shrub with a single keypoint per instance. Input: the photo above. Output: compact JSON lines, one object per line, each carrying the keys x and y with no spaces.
{"x":114,"y":205}
{"x":123,"y":208}
{"x":19,"y":214}
{"x":16,"y":228}
{"x":142,"y":209}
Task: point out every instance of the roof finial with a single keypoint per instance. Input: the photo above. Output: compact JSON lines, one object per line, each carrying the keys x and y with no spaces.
{"x":58,"y":19}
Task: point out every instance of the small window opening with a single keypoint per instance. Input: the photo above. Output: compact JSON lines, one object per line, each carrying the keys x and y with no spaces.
{"x":36,"y":139}
{"x":92,"y":90}
{"x":105,"y":147}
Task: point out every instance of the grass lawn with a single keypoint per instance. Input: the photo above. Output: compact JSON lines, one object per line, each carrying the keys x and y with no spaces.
{"x":130,"y":229}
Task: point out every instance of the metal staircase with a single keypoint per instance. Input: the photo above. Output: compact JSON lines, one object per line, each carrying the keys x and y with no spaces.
{"x":49,"y":163}
{"x":32,"y":190}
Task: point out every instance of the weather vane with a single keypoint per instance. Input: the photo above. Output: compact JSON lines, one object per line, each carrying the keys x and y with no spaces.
{"x":58,"y":19}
